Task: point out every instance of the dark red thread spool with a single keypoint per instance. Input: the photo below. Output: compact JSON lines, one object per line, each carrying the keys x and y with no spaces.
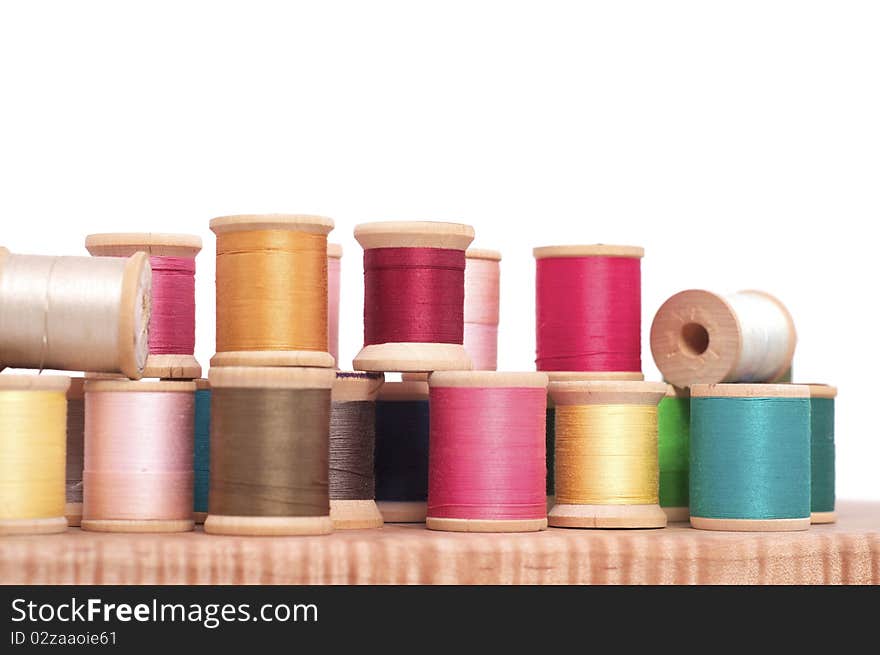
{"x":588,"y":308}
{"x":486,"y":466}
{"x":413,"y":296}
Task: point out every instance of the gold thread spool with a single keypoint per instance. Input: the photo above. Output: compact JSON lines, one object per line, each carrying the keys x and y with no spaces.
{"x":575,"y":376}
{"x":184,"y":246}
{"x":599,"y":423}
{"x":413,"y":356}
{"x":59,"y":319}
{"x":355,"y":514}
{"x":75,"y":427}
{"x":334,"y":259}
{"x":248,"y":379}
{"x":699,"y":337}
{"x":33,"y":434}
{"x":272,"y":290}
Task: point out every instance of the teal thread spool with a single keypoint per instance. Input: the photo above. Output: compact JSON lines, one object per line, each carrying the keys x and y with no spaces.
{"x":822,"y":453}
{"x":202,"y":452}
{"x":750,"y":457}
{"x":673,"y":426}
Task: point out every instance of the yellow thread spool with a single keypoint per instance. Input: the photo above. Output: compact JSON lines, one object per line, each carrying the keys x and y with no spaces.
{"x":272,"y":291}
{"x":607,"y":473}
{"x":33,"y":437}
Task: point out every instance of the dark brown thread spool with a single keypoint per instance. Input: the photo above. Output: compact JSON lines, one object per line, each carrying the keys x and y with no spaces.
{"x":76,"y":415}
{"x":269,"y":451}
{"x":352,"y":442}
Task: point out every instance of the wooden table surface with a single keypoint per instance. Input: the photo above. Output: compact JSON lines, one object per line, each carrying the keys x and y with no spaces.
{"x":846,"y":552}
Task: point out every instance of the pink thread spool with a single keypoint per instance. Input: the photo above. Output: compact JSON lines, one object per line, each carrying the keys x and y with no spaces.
{"x":486,"y":467}
{"x":334,"y":265}
{"x":138,"y":465}
{"x":172,"y":322}
{"x":482,"y":281}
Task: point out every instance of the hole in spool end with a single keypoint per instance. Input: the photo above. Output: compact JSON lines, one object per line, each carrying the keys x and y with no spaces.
{"x":694,"y":338}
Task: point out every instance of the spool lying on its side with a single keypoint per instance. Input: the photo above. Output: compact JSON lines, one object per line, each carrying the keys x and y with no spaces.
{"x":172,"y":321}
{"x":750,"y":457}
{"x":352,"y":446}
{"x":269,"y":451}
{"x":75,"y":313}
{"x":33,"y":417}
{"x":699,"y":337}
{"x":413,"y":296}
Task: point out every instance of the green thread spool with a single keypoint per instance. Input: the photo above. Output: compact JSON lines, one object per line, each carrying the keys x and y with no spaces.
{"x":750,"y":457}
{"x":822,"y":453}
{"x":673,"y":425}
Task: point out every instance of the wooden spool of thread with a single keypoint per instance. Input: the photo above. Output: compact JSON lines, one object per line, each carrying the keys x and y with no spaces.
{"x":269,"y":451}
{"x":201,"y":450}
{"x":138,"y":466}
{"x":352,"y":447}
{"x":73,"y":486}
{"x":674,"y":429}
{"x":33,"y":422}
{"x":699,"y":337}
{"x":550,"y":429}
{"x":75,"y":313}
{"x":822,"y":493}
{"x":486,"y":463}
{"x":272,"y":291}
{"x":401,"y":466}
{"x":482,"y":288}
{"x":750,"y":457}
{"x":334,"y":276}
{"x":413,"y":296}
{"x":607,"y":475}
{"x":173,"y":315}
{"x":588,"y":308}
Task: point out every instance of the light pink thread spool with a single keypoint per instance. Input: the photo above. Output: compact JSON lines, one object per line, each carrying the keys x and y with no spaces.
{"x":482,"y":281}
{"x":172,"y":323}
{"x":138,"y":464}
{"x":334,"y":265}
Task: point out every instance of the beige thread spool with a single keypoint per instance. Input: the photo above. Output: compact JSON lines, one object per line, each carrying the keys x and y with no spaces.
{"x":699,"y":337}
{"x":75,"y":313}
{"x":183,"y":246}
{"x":412,"y":356}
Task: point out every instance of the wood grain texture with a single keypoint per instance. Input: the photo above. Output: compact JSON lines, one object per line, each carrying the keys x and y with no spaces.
{"x":847,"y":552}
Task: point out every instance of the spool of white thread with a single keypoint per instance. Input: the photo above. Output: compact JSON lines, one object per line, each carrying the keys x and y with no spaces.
{"x":699,"y":337}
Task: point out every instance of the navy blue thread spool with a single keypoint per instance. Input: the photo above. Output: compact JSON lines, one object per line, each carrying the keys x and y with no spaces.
{"x":401,"y":456}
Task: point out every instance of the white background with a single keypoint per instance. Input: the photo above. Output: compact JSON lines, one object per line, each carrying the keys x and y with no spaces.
{"x":739,"y":144}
